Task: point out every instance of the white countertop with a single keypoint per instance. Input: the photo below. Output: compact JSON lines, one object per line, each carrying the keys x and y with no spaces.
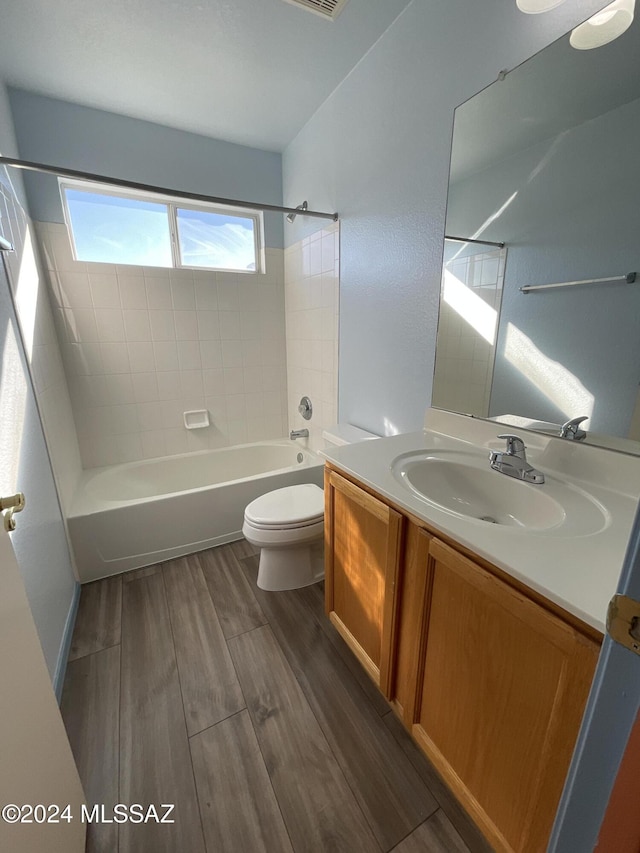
{"x":579,"y":573}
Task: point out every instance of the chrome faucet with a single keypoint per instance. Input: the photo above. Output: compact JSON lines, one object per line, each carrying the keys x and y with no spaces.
{"x":572,"y":430}
{"x":298,"y":433}
{"x":513,"y":461}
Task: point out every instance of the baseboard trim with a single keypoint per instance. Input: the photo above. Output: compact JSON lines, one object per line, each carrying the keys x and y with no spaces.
{"x":65,"y":645}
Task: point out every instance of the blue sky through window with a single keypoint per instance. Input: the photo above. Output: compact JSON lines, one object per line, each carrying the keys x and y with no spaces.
{"x":216,"y":240}
{"x":114,"y":230}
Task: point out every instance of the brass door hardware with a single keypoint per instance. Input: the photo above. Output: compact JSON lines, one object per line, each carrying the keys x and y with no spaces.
{"x":9,"y":506}
{"x":623,"y":622}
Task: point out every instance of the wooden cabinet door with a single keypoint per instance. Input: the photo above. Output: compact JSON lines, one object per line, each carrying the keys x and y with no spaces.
{"x":362,"y":549}
{"x":503,"y":688}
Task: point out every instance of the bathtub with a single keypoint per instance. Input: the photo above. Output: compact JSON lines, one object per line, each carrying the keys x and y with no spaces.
{"x":140,"y":513}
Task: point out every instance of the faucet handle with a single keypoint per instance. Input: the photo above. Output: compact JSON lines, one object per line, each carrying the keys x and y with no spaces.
{"x":515,"y":445}
{"x":570,"y":428}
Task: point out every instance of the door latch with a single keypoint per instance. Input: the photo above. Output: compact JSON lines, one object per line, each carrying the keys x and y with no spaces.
{"x":623,"y":622}
{"x":8,"y":507}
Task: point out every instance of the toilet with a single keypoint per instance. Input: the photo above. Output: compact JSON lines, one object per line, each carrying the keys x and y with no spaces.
{"x":288,"y":526}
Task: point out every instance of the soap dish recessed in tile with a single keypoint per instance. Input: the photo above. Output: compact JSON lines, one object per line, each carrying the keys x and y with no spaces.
{"x":196,"y":419}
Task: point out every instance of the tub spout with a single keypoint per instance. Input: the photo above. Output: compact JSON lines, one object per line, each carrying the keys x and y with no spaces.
{"x":298,"y":433}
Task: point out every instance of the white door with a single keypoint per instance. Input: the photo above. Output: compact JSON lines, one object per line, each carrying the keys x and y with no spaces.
{"x":36,"y":764}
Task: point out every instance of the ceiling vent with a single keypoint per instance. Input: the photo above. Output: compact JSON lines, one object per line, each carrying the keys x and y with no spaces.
{"x":327,"y":8}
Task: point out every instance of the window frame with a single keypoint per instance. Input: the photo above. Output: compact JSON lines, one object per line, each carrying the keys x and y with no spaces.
{"x":173,"y":204}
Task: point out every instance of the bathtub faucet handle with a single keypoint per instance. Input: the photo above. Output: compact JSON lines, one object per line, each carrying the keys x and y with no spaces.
{"x":298,"y":433}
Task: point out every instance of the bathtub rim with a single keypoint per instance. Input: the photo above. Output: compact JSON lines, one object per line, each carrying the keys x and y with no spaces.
{"x":84,"y":503}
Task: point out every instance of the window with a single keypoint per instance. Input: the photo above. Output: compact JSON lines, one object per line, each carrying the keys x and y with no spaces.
{"x":110,"y":226}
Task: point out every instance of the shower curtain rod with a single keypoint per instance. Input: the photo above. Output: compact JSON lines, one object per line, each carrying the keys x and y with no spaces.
{"x":133,"y":185}
{"x":470,"y":240}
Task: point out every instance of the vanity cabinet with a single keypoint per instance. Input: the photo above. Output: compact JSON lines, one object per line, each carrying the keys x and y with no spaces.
{"x":490,"y":679}
{"x":362,"y":554}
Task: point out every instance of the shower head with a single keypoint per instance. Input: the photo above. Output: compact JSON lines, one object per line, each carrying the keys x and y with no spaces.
{"x":292,"y":216}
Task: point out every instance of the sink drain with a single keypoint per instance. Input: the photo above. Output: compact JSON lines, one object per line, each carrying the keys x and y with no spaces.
{"x":488,"y":518}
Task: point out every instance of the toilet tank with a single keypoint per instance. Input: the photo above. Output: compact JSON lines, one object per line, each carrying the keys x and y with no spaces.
{"x":340,"y":434}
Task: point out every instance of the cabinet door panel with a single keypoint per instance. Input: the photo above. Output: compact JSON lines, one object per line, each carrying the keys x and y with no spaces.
{"x":502,"y":678}
{"x":362,"y":549}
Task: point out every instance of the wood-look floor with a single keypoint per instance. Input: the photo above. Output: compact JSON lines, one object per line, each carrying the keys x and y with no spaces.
{"x":189,"y":685}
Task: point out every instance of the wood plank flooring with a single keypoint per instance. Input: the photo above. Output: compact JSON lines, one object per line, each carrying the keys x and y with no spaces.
{"x":189,"y":685}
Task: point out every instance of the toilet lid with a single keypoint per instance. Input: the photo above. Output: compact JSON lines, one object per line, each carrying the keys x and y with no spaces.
{"x":289,"y":506}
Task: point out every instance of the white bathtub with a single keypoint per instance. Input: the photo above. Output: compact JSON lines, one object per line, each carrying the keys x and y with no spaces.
{"x":139,"y":513}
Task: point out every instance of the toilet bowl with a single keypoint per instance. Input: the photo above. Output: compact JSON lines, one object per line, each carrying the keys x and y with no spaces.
{"x":288,"y":526}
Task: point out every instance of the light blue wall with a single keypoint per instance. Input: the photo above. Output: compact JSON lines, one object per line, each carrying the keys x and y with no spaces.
{"x":378,"y":152}
{"x":39,"y":540}
{"x":575,"y":216}
{"x":76,"y":137}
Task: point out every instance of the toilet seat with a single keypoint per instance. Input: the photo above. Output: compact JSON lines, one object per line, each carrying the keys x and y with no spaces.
{"x":283,"y":536}
{"x":287,"y":509}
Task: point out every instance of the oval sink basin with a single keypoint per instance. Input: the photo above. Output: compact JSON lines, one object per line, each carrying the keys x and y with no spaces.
{"x":464,"y":484}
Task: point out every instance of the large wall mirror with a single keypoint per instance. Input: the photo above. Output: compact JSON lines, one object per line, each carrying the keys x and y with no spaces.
{"x":546,"y":161}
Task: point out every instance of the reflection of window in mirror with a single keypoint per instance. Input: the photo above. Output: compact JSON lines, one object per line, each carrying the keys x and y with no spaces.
{"x":470,"y":299}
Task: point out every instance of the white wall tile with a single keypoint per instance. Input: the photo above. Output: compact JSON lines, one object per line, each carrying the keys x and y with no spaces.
{"x":158,"y":292}
{"x":149,"y":416}
{"x":206,"y":292}
{"x":171,"y":414}
{"x":118,"y":389}
{"x":191,"y":383}
{"x":228,"y":295}
{"x":141,"y":356}
{"x":115,"y":358}
{"x":189,"y":355}
{"x":311,"y":310}
{"x":211,"y":354}
{"x":125,"y":419}
{"x":109,"y":324}
{"x":104,"y":290}
{"x":133,"y":293}
{"x":136,"y":325}
{"x":80,"y":324}
{"x":229,"y":325}
{"x":252,"y":378}
{"x":183,"y":293}
{"x":186,"y":325}
{"x":162,"y":325}
{"x":208,"y":325}
{"x":168,"y":385}
{"x":233,"y":379}
{"x":153,"y":444}
{"x":137,"y":339}
{"x":74,"y":289}
{"x":214,"y":384}
{"x":145,"y":387}
{"x":88,"y":358}
{"x":232,"y":353}
{"x":166,"y":355}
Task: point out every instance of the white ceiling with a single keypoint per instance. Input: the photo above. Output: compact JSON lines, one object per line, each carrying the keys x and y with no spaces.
{"x":248,"y":71}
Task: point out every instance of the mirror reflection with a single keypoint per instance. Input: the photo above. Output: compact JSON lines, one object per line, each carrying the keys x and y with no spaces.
{"x":545,"y":161}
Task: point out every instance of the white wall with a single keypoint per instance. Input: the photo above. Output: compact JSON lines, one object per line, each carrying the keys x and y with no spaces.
{"x":377,"y":151}
{"x":39,"y":541}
